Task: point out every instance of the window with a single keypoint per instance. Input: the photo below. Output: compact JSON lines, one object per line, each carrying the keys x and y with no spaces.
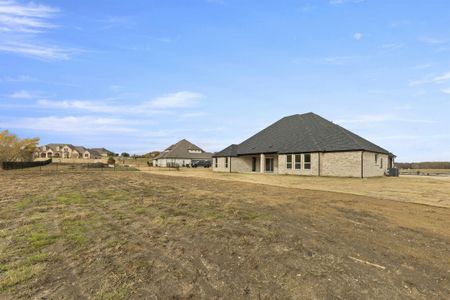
{"x":381,"y":164}
{"x":376,"y":158}
{"x":226,"y":162}
{"x":289,"y":161}
{"x":215,"y":162}
{"x":194,"y":151}
{"x":298,"y":161}
{"x":307,"y":161}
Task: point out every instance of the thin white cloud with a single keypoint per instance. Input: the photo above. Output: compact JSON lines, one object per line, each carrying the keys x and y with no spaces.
{"x":357,"y":36}
{"x":36,"y":51}
{"x":21,"y":25}
{"x":22,"y":95}
{"x":446,"y":91}
{"x":18,"y":78}
{"x":432,"y":79}
{"x":28,"y":18}
{"x":72,"y":124}
{"x":176,"y":100}
{"x":432,"y":40}
{"x":160,"y":105}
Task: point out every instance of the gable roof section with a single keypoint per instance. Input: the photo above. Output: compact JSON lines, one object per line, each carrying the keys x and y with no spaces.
{"x":305,"y":133}
{"x":181,"y":150}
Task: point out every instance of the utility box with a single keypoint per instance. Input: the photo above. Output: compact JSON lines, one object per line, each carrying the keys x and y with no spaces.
{"x":392,"y":172}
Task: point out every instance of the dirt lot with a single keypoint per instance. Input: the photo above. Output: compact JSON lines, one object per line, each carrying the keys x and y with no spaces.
{"x":418,"y":189}
{"x":117,"y":235}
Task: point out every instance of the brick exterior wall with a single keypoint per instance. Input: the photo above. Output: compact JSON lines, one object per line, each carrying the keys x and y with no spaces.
{"x":344,"y":164}
{"x":221,"y":164}
{"x":338,"y":164}
{"x":374,"y":168}
{"x":243,"y":164}
{"x":313,"y":171}
{"x":166,"y":162}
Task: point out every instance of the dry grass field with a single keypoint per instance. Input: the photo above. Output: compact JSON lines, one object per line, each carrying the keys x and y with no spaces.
{"x":417,"y":189}
{"x":136,"y":235}
{"x":427,"y":172}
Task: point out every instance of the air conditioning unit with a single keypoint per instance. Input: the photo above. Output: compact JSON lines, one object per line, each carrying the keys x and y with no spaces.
{"x":392,"y":172}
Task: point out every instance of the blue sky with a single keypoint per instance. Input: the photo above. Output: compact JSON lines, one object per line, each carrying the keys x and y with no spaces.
{"x":137,"y":76}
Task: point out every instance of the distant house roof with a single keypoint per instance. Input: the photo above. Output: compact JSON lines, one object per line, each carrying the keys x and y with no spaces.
{"x":184,"y":149}
{"x":303,"y":133}
{"x":102,"y":151}
{"x":80,"y":149}
{"x":54,"y":146}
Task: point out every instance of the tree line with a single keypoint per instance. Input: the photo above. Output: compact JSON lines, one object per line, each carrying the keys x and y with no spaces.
{"x":424,"y":165}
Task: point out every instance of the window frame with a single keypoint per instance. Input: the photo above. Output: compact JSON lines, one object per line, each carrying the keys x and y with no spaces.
{"x":226,"y":162}
{"x":307,"y":163}
{"x":298,"y":163}
{"x":216,"y":162}
{"x":289,"y":161}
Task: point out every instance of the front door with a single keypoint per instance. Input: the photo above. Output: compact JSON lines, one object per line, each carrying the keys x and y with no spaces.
{"x":253,"y":164}
{"x":269,"y":165}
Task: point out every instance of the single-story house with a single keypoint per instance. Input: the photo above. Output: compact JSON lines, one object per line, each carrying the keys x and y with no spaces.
{"x":305,"y":144}
{"x":70,"y":151}
{"x":181,"y":154}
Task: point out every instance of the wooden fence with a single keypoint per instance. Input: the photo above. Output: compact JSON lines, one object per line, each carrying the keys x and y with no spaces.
{"x":13,"y":165}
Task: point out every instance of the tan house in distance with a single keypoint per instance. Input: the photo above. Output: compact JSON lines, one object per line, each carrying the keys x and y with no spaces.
{"x":71,"y":151}
{"x":305,"y":144}
{"x":181,"y":154}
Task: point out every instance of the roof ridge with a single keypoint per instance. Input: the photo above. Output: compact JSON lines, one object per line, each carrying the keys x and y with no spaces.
{"x":306,"y":132}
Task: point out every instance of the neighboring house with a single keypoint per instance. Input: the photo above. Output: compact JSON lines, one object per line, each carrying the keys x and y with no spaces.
{"x":70,"y":151}
{"x":305,"y":144}
{"x":181,"y":154}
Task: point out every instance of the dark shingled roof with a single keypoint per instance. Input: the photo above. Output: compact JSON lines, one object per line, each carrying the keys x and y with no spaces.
{"x":228,"y":151}
{"x":181,"y":150}
{"x":304,"y":133}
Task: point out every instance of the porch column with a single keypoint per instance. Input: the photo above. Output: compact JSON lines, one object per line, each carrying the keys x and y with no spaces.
{"x":262,"y":163}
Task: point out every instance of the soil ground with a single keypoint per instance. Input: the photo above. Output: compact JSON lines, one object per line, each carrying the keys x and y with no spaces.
{"x":122,"y":235}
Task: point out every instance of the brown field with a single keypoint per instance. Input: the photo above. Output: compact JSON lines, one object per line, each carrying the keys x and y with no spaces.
{"x":122,"y":235}
{"x":418,"y":189}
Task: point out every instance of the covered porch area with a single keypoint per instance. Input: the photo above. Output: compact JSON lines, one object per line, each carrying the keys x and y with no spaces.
{"x":255,"y":163}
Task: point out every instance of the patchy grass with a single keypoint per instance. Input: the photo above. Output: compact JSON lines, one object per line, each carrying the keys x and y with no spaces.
{"x":140,"y":210}
{"x":21,"y":274}
{"x":41,"y":238}
{"x":71,"y":198}
{"x":145,"y":236}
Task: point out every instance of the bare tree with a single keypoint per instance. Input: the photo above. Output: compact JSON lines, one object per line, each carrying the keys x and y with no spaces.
{"x":13,"y":148}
